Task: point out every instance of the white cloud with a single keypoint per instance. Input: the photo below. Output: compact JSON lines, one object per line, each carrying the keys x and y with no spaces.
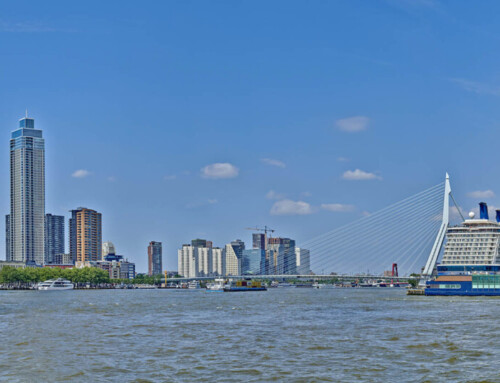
{"x":220,"y":170}
{"x":289,"y":207}
{"x":481,"y":194}
{"x":81,"y":173}
{"x":476,"y":87}
{"x":353,"y":124}
{"x":212,"y":201}
{"x":359,"y":175}
{"x":170,"y":177}
{"x":337,"y":207}
{"x":343,"y":159}
{"x":111,"y":178}
{"x":270,"y":161}
{"x":271,"y":194}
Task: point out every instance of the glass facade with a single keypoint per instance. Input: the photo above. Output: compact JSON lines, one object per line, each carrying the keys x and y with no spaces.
{"x":27,"y":194}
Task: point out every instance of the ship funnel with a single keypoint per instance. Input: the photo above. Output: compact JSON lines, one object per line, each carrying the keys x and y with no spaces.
{"x":483,"y":210}
{"x":498,"y":215}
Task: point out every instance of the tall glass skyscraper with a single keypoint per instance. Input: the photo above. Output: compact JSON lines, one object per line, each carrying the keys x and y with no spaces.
{"x":27,"y":194}
{"x":155,"y":266}
{"x":54,"y":237}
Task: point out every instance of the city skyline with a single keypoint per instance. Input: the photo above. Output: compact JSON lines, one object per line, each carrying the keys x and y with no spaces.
{"x":176,"y":130}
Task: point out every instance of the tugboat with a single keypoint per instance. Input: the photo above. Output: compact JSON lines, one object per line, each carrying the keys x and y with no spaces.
{"x":245,"y":285}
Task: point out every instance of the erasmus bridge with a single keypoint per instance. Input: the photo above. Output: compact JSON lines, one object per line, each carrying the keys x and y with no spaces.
{"x":410,"y":233}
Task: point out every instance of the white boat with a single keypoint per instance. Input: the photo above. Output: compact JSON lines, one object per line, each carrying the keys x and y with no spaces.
{"x":56,"y":284}
{"x":218,"y":285}
{"x":194,"y":285}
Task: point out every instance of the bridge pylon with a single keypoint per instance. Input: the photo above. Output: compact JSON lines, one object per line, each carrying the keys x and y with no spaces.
{"x":438,"y":243}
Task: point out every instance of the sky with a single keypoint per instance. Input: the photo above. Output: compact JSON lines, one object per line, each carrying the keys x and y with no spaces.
{"x":186,"y":119}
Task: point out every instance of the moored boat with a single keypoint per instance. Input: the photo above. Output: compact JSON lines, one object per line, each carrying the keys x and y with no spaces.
{"x":56,"y":285}
{"x":244,"y":285}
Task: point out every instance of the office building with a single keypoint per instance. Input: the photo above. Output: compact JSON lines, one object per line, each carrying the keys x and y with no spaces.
{"x":253,"y":261}
{"x":303,"y":261}
{"x":62,"y":259}
{"x":259,"y":241}
{"x":108,"y":248}
{"x":199,"y":242}
{"x":27,"y":194}
{"x":54,"y":237}
{"x":85,"y":235}
{"x":155,"y":266}
{"x":282,"y":257}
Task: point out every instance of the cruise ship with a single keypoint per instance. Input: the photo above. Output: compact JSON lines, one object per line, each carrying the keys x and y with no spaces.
{"x":471,"y":260}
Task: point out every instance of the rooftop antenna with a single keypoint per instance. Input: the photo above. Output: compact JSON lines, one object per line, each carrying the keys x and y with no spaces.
{"x":26,"y":112}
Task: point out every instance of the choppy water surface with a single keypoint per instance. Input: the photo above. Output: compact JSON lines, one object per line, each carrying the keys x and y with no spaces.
{"x":289,"y":335}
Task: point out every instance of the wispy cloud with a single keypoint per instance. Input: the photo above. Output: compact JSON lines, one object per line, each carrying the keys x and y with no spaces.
{"x":481,"y":194}
{"x":197,"y":204}
{"x":338,"y":207}
{"x":273,"y":162}
{"x":289,"y":207}
{"x":477,"y":87}
{"x":219,"y":171}
{"x":25,"y":27}
{"x":111,"y":179}
{"x":271,"y":194}
{"x":170,"y":177}
{"x":353,"y":124}
{"x":81,"y":173}
{"x":360,"y":175}
{"x":343,"y":159}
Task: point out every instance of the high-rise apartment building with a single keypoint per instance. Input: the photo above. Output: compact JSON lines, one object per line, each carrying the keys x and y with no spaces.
{"x":108,"y":248}
{"x":54,"y":237}
{"x":27,"y":194}
{"x":85,"y":235}
{"x":155,"y":266}
{"x":303,"y":261}
{"x":233,"y":257}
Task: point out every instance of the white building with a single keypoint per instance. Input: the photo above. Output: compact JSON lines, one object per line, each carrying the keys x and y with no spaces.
{"x":233,"y":263}
{"x":186,"y":262}
{"x":303,"y":259}
{"x":218,"y":261}
{"x":196,"y":261}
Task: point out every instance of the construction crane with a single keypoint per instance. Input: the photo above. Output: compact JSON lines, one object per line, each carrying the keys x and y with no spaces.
{"x":265,"y":229}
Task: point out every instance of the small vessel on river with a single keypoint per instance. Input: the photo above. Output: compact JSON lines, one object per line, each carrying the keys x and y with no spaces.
{"x":56,"y":284}
{"x":244,"y":285}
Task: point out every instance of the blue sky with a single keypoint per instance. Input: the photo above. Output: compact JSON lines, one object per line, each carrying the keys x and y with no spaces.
{"x":186,"y":119}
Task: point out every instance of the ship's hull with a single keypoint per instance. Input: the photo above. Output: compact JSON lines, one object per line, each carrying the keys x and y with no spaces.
{"x":470,"y":285}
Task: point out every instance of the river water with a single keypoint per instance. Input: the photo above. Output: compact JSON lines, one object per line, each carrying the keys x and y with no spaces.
{"x":282,"y":335}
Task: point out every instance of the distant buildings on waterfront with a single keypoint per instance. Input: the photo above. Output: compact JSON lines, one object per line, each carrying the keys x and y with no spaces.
{"x":35,"y":238}
{"x":269,"y":256}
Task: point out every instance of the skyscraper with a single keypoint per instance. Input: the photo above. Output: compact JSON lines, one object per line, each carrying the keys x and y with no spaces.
{"x":85,"y":235}
{"x":155,"y":266}
{"x":259,"y":241}
{"x":54,"y":237}
{"x":27,"y":194}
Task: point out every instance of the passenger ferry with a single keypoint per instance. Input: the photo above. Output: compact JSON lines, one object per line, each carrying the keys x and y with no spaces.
{"x":471,"y":260}
{"x":245,"y":285}
{"x":56,"y":284}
